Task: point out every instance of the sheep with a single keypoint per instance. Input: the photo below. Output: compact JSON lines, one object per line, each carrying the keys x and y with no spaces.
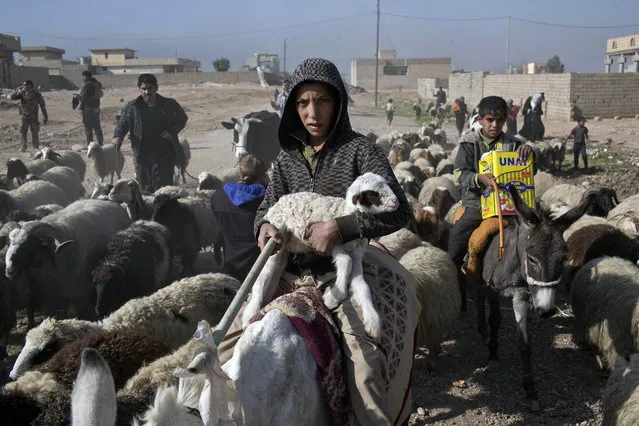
{"x":429,"y":220}
{"x":604,"y":295}
{"x":294,"y":212}
{"x":230,"y":175}
{"x":101,"y":191}
{"x":409,"y":183}
{"x":206,"y":181}
{"x":437,"y":290}
{"x":439,"y":137}
{"x":93,"y":383}
{"x":444,"y":167}
{"x":137,"y":262}
{"x":621,"y":394}
{"x":438,"y":154}
{"x":64,"y":178}
{"x":384,"y":145}
{"x":626,"y":215}
{"x":138,"y":206}
{"x":33,"y":214}
{"x":453,"y":153}
{"x":171,"y":313}
{"x":6,"y":229}
{"x":66,"y":158}
{"x":432,"y":184}
{"x":106,"y":160}
{"x":29,"y":196}
{"x":399,"y":242}
{"x":425,"y":166}
{"x":583,"y":222}
{"x":5,"y":183}
{"x":14,"y":295}
{"x":543,"y":182}
{"x":183,"y":227}
{"x":419,"y":153}
{"x":562,"y":195}
{"x":558,"y":153}
{"x":16,"y":168}
{"x":60,"y":251}
{"x":399,"y":152}
{"x":182,"y":160}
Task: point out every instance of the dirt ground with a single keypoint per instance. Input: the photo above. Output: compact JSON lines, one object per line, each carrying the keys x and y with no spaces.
{"x":462,"y":389}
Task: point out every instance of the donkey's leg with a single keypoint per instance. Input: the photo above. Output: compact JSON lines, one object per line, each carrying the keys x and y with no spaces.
{"x":521,"y":306}
{"x":481,"y":315}
{"x":343,"y":266}
{"x":495,"y":323}
{"x":265,"y":285}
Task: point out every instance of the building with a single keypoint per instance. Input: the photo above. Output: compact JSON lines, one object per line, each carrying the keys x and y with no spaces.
{"x":123,"y":61}
{"x":45,"y":57}
{"x":11,"y":75}
{"x":270,"y":62}
{"x":534,"y":68}
{"x":397,"y":74}
{"x":623,"y":48}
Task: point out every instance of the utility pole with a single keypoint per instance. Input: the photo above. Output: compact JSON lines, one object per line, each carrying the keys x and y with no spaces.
{"x":284,"y":69}
{"x":377,"y":56}
{"x":508,"y":47}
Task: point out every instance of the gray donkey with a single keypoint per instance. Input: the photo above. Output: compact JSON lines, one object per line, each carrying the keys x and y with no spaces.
{"x":529,"y":271}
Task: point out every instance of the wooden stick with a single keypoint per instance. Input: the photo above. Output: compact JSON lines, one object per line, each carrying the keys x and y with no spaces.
{"x":500,"y":218}
{"x":242,"y":294}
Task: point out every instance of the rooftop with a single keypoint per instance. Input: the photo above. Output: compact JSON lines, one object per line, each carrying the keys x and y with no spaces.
{"x":41,"y":49}
{"x":406,"y":61}
{"x":112,"y":50}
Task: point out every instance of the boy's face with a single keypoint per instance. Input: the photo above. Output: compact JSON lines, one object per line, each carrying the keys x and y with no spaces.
{"x":492,"y":123}
{"x":581,"y":123}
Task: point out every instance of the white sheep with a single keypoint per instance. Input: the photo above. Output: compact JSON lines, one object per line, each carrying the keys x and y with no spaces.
{"x":442,"y":182}
{"x":582,"y":222}
{"x":438,"y":153}
{"x":66,"y":158}
{"x":621,"y":394}
{"x":29,"y":196}
{"x":419,"y":153}
{"x":138,"y":206}
{"x":105,"y":161}
{"x":560,"y":198}
{"x":604,"y":296}
{"x":426,"y":167}
{"x":543,"y":182}
{"x":294,"y":212}
{"x":437,"y":291}
{"x":94,"y":383}
{"x":400,"y":242}
{"x":66,"y":179}
{"x":171,"y":314}
{"x":444,"y":167}
{"x":206,"y":181}
{"x":625,"y":215}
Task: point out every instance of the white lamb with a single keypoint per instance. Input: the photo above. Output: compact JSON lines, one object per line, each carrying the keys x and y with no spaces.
{"x":292,"y":215}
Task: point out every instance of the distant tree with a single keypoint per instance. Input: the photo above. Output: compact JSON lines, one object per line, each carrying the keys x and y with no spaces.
{"x":554,"y":65}
{"x":221,"y":64}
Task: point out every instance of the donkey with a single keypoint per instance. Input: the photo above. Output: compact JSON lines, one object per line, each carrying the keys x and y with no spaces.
{"x":529,"y":272}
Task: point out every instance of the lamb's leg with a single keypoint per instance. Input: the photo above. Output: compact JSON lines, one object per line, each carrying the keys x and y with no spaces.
{"x":265,"y":285}
{"x":343,"y":266}
{"x":362,"y":294}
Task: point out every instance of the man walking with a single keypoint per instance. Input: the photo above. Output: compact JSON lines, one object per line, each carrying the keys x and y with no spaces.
{"x":154,"y":123}
{"x":90,"y":107}
{"x":281,"y":98}
{"x":30,"y":100}
{"x":440,"y":97}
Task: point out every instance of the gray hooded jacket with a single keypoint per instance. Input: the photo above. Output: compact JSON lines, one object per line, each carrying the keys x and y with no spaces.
{"x":345,"y":156}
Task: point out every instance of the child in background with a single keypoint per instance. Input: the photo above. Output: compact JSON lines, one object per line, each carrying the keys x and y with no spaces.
{"x":390,"y":111}
{"x":580,"y":135}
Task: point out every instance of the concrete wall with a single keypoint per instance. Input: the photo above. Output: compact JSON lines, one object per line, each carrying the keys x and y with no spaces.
{"x":427,"y":87}
{"x":110,"y":81}
{"x":470,"y":85}
{"x":39,"y":76}
{"x":519,"y":87}
{"x":606,"y":95}
{"x":363,"y":75}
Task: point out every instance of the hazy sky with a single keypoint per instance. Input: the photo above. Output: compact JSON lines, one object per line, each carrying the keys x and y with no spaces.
{"x":206,"y":29}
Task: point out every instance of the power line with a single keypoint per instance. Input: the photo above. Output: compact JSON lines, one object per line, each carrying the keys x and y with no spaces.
{"x":530,"y":21}
{"x":263,"y":30}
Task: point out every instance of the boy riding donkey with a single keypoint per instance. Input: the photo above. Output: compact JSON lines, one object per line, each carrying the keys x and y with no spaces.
{"x":490,"y":137}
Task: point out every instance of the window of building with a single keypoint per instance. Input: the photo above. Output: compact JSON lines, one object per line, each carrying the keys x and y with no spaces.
{"x":104,"y":68}
{"x":614,"y":44}
{"x":395,"y":70}
{"x":632,"y":42}
{"x":106,"y":55}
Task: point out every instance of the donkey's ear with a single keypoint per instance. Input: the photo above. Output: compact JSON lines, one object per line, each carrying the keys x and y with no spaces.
{"x":524,"y":212}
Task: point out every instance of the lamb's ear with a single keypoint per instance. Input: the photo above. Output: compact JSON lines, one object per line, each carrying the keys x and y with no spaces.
{"x":524,"y":212}
{"x":356,"y":199}
{"x":66,"y":255}
{"x":228,"y":126}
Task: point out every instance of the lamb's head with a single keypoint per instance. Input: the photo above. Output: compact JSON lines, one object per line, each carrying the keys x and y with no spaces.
{"x":370,"y":193}
{"x":240,"y":127}
{"x":16,"y":169}
{"x":42,"y":342}
{"x":47,"y":153}
{"x":605,"y":200}
{"x":206,"y":180}
{"x":94,"y":150}
{"x":34,"y":250}
{"x":101,"y":191}
{"x":124,"y":191}
{"x":107,"y":279}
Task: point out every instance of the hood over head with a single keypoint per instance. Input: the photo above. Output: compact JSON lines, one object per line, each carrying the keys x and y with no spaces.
{"x":314,"y":70}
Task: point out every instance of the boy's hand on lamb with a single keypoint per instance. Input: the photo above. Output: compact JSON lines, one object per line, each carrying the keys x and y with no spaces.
{"x":268,"y":231}
{"x":322,"y":237}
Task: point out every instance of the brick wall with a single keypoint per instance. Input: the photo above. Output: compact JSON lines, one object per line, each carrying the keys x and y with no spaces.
{"x":519,"y":87}
{"x":606,"y":95}
{"x":470,"y":85}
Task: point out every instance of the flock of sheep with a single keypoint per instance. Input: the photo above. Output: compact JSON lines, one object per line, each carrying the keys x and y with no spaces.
{"x":126,"y":268}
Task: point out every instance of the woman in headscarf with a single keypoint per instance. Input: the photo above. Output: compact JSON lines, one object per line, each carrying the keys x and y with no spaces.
{"x":533,"y":128}
{"x":321,"y":153}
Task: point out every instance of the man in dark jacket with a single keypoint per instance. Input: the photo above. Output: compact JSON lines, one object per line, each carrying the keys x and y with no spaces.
{"x":234,"y":208}
{"x":490,"y":137}
{"x":154,"y":122}
{"x":321,"y":153}
{"x":90,"y":107}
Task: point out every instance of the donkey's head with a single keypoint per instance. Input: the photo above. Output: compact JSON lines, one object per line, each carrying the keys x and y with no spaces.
{"x":542,"y":251}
